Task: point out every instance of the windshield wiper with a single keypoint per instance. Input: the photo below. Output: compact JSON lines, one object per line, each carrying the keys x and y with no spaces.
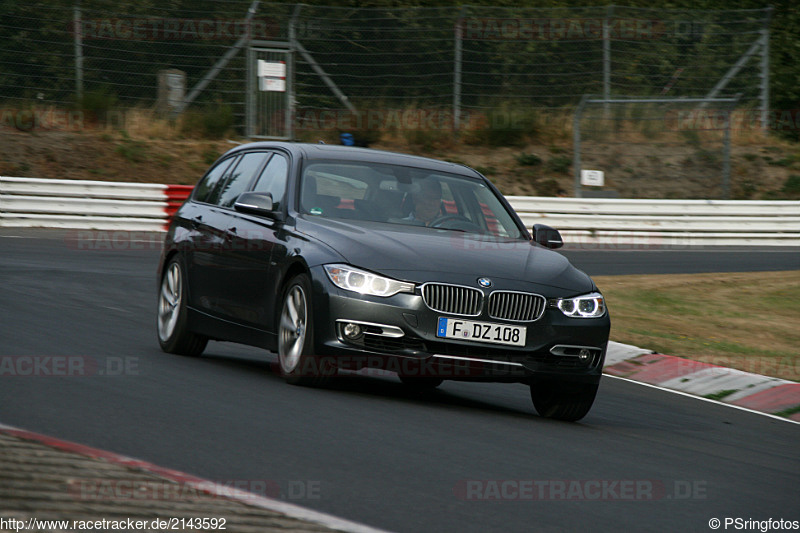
{"x":453,"y":229}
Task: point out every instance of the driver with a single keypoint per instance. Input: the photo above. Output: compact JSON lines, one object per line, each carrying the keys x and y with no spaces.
{"x":427,"y":203}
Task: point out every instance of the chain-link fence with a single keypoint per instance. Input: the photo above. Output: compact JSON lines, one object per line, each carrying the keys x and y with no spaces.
{"x":453,"y":59}
{"x":656,"y":147}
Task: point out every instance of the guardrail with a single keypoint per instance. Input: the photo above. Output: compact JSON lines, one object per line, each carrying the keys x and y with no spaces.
{"x":99,"y":205}
{"x":651,"y":223}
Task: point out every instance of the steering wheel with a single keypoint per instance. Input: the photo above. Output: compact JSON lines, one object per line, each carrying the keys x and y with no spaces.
{"x":459,"y":222}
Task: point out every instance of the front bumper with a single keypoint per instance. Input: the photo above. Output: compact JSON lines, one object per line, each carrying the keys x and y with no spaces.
{"x":399,"y":335}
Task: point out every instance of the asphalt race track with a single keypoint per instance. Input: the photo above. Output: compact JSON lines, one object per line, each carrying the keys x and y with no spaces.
{"x":467,"y":457}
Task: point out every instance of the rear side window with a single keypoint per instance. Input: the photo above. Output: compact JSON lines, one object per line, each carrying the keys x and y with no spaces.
{"x":205,"y":188}
{"x":273,"y":179}
{"x":241,"y":177}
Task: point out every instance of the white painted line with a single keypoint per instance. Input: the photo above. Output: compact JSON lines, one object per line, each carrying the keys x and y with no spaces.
{"x":681,"y":393}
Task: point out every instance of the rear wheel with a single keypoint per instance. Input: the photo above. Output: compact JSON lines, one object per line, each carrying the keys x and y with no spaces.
{"x":173,"y":333}
{"x":563,"y":401}
{"x":298,"y":363}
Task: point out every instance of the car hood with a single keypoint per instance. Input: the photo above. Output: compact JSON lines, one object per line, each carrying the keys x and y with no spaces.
{"x":421,"y":254}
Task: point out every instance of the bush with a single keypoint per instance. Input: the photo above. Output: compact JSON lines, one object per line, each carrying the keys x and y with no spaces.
{"x":213,"y":122}
{"x":428,"y":140}
{"x":791,"y":187}
{"x":361,"y":126}
{"x":133,"y":151}
{"x":548,"y":187}
{"x":504,"y":126}
{"x":708,"y":157}
{"x":559,"y":164}
{"x":191,"y":123}
{"x":217,"y":121}
{"x":364,"y":137}
{"x":691,"y":137}
{"x":98,"y":102}
{"x":210,"y":155}
{"x":784,"y":162}
{"x":529,"y":160}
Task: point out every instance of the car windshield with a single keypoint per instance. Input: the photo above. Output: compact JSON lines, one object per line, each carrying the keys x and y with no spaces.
{"x":403,"y":195}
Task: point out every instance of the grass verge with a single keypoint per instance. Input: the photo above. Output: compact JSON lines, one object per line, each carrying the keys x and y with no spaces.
{"x":749,"y":320}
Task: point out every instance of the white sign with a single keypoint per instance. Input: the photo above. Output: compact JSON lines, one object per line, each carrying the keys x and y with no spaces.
{"x":593,"y":178}
{"x":176,"y":87}
{"x":272,"y":84}
{"x":271,"y":69}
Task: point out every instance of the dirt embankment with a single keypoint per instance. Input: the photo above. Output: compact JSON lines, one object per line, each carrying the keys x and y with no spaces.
{"x":769,"y":169}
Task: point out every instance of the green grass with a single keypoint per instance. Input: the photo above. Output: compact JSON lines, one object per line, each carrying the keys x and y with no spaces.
{"x":720,"y":394}
{"x":133,"y":151}
{"x":742,"y":320}
{"x":789,"y":412}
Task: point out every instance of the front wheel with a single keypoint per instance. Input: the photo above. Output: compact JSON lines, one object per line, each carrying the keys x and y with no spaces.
{"x":563,"y":401}
{"x":298,"y":363}
{"x":173,"y":333}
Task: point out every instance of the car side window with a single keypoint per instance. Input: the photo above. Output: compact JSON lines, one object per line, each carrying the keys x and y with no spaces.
{"x":273,"y":179}
{"x":206,"y":187}
{"x":241,"y":177}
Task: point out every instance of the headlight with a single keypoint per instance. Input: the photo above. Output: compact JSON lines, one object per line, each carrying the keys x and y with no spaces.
{"x":586,"y":306}
{"x":357,"y":280}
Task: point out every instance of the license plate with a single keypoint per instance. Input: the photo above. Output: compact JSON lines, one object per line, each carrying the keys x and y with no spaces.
{"x":471,"y":330}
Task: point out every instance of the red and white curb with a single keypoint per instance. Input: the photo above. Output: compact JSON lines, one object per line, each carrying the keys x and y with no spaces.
{"x":754,"y":392}
{"x":196,"y":483}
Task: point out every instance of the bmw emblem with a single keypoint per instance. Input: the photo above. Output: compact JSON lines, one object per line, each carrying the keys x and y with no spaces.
{"x":485,"y":282}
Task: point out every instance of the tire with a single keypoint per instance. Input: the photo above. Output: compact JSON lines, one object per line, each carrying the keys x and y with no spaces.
{"x":421,"y":383}
{"x":172,"y":316}
{"x":563,"y":401}
{"x":298,"y":363}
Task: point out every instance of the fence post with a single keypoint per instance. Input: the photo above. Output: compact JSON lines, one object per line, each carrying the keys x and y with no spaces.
{"x":221,"y":62}
{"x":726,"y":157}
{"x":291,"y":108}
{"x":78,"y":31}
{"x":765,"y":71}
{"x":607,"y":55}
{"x":250,"y":97}
{"x":576,"y":145}
{"x":726,"y":149}
{"x":459,"y":29}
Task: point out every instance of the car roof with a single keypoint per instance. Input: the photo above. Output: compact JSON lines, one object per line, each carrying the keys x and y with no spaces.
{"x":352,"y":153}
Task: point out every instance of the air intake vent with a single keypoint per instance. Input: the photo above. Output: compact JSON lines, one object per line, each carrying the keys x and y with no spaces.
{"x":452,"y":299}
{"x":516,"y":306}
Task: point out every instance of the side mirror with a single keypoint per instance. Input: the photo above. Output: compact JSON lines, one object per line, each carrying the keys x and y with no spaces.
{"x":256,"y":203}
{"x":547,"y":236}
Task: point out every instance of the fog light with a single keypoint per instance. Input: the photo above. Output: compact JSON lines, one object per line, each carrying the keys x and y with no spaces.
{"x":584,"y":354}
{"x":352,"y":331}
